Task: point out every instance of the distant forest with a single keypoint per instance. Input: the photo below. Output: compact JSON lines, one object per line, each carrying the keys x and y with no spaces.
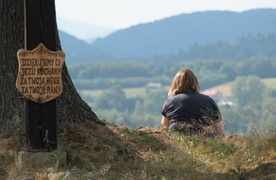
{"x":246,"y":47}
{"x":211,"y":72}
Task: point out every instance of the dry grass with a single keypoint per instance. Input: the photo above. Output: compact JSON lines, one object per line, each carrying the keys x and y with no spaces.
{"x":108,"y":151}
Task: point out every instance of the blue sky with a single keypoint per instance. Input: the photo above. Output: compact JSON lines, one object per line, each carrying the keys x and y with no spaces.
{"x":119,"y":14}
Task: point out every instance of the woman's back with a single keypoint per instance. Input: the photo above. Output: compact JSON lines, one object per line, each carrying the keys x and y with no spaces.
{"x":188,"y":111}
{"x":188,"y":106}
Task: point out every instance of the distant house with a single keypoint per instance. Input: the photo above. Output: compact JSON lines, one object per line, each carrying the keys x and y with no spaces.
{"x":154,"y":86}
{"x":226,"y":101}
{"x":218,"y":97}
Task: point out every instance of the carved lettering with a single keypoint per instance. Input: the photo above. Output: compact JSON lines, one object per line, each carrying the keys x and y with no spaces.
{"x":39,"y":77}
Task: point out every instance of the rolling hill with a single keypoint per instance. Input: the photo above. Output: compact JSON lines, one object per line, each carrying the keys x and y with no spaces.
{"x":183,"y":31}
{"x":225,"y":89}
{"x":193,"y":31}
{"x":78,"y":51}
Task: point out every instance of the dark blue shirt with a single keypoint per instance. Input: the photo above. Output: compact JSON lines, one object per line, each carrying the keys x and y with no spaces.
{"x":190,"y":106}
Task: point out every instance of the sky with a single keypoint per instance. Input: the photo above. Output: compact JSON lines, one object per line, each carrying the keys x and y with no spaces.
{"x":118,"y":14}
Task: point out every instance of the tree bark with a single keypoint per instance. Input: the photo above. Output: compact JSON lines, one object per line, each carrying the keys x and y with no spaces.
{"x":70,"y":107}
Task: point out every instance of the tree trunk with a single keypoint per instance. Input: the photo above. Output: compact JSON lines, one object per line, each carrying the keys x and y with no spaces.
{"x":70,"y":107}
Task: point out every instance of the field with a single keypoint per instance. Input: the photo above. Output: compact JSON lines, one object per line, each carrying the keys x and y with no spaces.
{"x":270,"y":83}
{"x":225,"y":89}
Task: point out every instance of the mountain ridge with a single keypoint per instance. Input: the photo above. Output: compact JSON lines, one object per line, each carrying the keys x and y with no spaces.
{"x":182,"y":31}
{"x":172,"y":34}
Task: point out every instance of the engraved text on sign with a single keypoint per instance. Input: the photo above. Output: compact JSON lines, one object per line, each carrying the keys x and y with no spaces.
{"x":40,"y":74}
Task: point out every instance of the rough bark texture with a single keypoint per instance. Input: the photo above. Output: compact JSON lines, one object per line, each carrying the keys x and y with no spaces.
{"x":70,"y":107}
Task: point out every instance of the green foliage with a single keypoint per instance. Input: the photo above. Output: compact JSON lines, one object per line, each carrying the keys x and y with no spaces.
{"x":6,"y":160}
{"x":112,"y":98}
{"x":128,"y":74}
{"x":259,"y":45}
{"x":239,"y":173}
{"x":248,"y":90}
{"x":111,"y":69}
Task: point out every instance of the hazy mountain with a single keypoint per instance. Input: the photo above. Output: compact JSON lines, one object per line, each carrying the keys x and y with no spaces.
{"x":78,"y":51}
{"x":174,"y":34}
{"x":183,"y":31}
{"x":83,"y":31}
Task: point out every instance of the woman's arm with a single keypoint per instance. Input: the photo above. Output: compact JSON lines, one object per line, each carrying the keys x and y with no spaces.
{"x":165,"y":122}
{"x":220,"y":128}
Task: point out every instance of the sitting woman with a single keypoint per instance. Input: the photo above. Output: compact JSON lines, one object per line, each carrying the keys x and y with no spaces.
{"x":189,"y":112}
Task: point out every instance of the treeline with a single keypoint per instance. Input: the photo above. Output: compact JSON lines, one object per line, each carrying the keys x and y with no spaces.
{"x":258,"y":45}
{"x":102,"y":75}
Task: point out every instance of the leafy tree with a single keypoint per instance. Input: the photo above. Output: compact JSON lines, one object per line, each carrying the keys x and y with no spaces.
{"x":248,"y":90}
{"x":154,"y":100}
{"x":112,"y":98}
{"x":262,"y":67}
{"x":228,"y":69}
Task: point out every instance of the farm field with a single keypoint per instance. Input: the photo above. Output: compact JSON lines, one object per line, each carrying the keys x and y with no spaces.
{"x":270,"y":82}
{"x":130,"y":92}
{"x":225,"y":89}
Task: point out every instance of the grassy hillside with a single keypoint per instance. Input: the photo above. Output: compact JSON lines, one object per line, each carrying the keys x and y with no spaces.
{"x":132,"y":92}
{"x":270,"y":83}
{"x":226,"y":88}
{"x":107,"y":151}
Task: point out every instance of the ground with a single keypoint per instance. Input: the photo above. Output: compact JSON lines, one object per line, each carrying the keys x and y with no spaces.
{"x":108,"y":151}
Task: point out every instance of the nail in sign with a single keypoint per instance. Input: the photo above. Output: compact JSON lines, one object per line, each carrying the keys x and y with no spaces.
{"x":39,"y":76}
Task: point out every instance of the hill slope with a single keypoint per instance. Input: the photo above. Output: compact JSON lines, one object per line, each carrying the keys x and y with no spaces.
{"x":225,"y":89}
{"x":78,"y":52}
{"x":202,"y":35}
{"x":83,"y":31}
{"x":107,"y":151}
{"x":185,"y":30}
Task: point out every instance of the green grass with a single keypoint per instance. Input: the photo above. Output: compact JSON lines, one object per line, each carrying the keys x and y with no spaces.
{"x":270,"y":83}
{"x":226,"y":88}
{"x":135,"y":92}
{"x":91,"y":93}
{"x":130,"y":92}
{"x":117,"y":152}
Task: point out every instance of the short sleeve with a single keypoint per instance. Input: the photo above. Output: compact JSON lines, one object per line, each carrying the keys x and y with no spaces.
{"x":164,"y":109}
{"x":167,"y":108}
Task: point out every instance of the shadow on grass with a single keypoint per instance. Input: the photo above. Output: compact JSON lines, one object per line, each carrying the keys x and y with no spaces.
{"x":111,"y":152}
{"x":108,"y":151}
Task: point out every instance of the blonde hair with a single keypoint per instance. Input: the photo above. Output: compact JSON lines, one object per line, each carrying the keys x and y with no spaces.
{"x":184,"y":81}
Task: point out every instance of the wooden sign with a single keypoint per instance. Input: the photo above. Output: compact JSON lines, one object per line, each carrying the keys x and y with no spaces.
{"x":39,"y":76}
